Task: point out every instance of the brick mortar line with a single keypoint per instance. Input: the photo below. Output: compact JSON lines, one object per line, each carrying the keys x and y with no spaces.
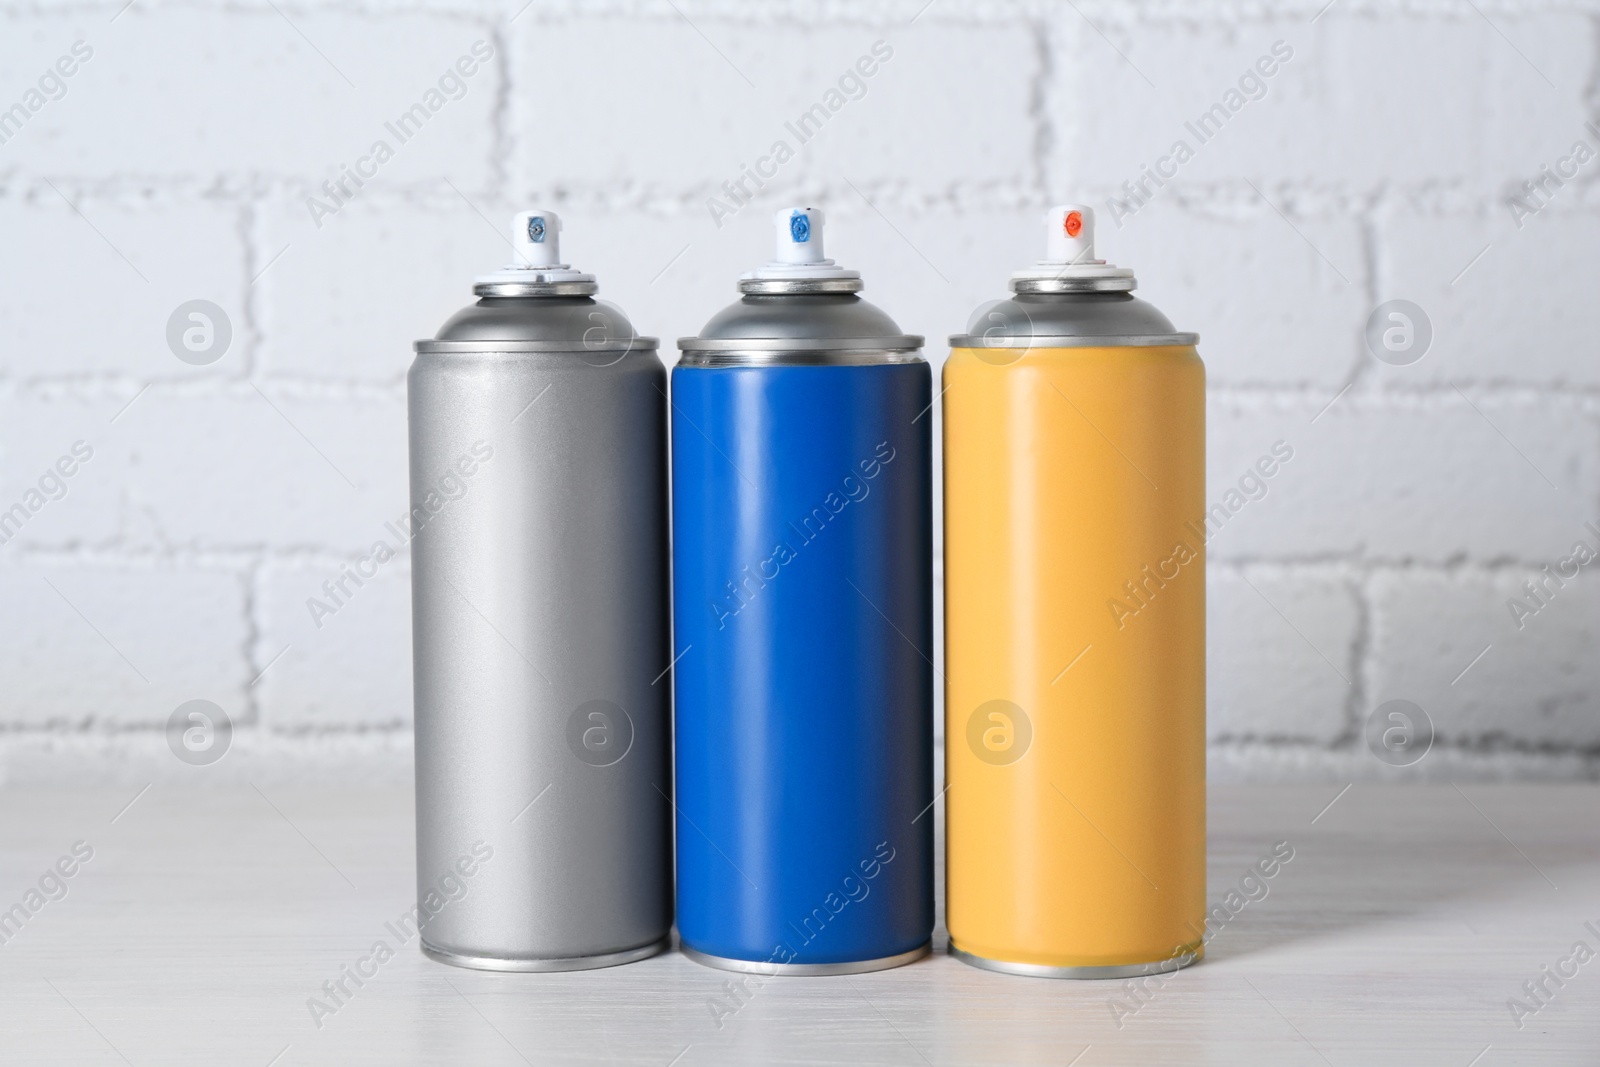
{"x":253,"y":589}
{"x":109,"y":731}
{"x":1487,"y":747}
{"x":1578,"y":399}
{"x":235,"y":560}
{"x":1350,"y":567}
{"x":789,"y":15}
{"x":1492,"y":742}
{"x":1362,"y":660}
{"x":250,"y":591}
{"x":1398,"y":389}
{"x":225,"y":187}
{"x":1227,"y":201}
{"x":111,"y":386}
{"x":253,"y":333}
{"x":376,"y":11}
{"x":1361,"y":373}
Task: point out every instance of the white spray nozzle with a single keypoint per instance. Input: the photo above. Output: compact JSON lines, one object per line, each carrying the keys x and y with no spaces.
{"x":799,"y":252}
{"x":1069,"y":261}
{"x":536,"y":237}
{"x":1069,"y":234}
{"x":799,"y":231}
{"x":536,"y":254}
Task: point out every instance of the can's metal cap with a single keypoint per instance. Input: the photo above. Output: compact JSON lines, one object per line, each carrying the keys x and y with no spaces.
{"x":538,"y":304}
{"x":547,"y":324}
{"x":801,"y":307}
{"x":1069,"y":265}
{"x":536,"y":268}
{"x":1070,"y":299}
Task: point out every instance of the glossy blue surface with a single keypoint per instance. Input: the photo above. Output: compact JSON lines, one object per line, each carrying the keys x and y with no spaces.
{"x":803,"y":605}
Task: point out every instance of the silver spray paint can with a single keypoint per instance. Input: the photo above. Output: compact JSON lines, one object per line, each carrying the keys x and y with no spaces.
{"x":540,"y":624}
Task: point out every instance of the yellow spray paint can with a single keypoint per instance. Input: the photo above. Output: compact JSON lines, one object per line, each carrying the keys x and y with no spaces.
{"x":1074,"y":486}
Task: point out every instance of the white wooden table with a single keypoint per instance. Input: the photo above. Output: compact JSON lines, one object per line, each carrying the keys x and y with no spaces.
{"x":1407,"y":919}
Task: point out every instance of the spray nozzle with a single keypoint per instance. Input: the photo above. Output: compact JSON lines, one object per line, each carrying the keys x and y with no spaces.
{"x":1069,"y":261}
{"x":799,"y":255}
{"x":536,"y":268}
{"x":799,"y":233}
{"x":1069,"y":234}
{"x":536,"y":239}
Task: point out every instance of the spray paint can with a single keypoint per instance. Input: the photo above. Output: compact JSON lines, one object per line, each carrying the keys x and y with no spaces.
{"x":540,"y":624}
{"x":802,"y":570}
{"x":1074,"y":485}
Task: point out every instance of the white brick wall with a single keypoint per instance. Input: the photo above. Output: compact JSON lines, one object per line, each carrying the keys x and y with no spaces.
{"x":177,"y":163}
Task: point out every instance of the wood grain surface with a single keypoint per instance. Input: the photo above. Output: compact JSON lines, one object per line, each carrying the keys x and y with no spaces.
{"x":1407,"y":922}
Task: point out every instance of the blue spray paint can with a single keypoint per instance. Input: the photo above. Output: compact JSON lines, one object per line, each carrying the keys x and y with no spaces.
{"x":802,"y":573}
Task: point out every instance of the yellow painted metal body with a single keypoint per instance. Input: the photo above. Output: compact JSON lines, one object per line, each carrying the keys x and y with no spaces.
{"x":1074,"y":498}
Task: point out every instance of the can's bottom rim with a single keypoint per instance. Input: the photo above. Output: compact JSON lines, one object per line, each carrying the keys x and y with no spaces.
{"x":802,"y":970}
{"x":1045,"y":970}
{"x":542,"y":963}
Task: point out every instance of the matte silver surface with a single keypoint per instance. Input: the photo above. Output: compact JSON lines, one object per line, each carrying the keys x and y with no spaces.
{"x":1039,"y":970}
{"x":803,"y":970}
{"x":539,"y":587}
{"x":531,"y":964}
{"x":1069,"y":320}
{"x":814,"y":323}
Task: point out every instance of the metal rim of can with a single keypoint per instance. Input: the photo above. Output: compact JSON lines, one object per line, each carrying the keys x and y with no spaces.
{"x":745,"y":357}
{"x":786,"y":286}
{"x":1152,"y":340}
{"x":903,"y":343}
{"x":522,"y":289}
{"x":432,"y":347}
{"x":805,"y":970}
{"x":550,"y":963}
{"x":1074,"y":285}
{"x":1093,"y":973}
